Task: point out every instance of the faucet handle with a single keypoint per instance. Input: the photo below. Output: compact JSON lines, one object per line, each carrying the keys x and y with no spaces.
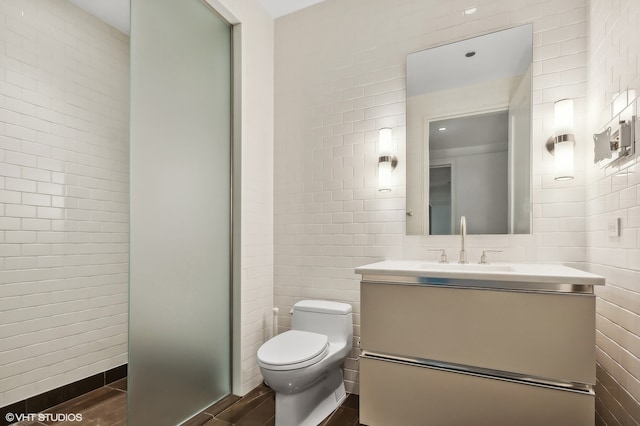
{"x":443,"y":255}
{"x":483,"y":258}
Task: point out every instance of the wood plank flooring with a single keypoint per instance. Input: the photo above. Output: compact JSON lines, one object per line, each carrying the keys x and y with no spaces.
{"x":104,"y":406}
{"x":107,"y":406}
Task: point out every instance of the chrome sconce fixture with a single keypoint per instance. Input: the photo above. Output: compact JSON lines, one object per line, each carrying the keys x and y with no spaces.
{"x":618,"y":141}
{"x":387,"y":161}
{"x":562,"y":144}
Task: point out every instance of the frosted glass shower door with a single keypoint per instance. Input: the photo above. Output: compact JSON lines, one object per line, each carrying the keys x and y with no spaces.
{"x":180,"y":255}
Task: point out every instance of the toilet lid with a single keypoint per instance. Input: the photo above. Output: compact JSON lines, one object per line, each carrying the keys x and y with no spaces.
{"x":293,"y":349}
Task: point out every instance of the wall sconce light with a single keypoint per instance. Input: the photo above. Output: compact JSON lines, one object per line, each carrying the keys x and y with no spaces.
{"x":561,"y":146}
{"x":387,"y":161}
{"x":618,"y":141}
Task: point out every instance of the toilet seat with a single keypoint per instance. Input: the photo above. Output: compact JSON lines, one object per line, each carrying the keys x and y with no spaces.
{"x":293,"y":349}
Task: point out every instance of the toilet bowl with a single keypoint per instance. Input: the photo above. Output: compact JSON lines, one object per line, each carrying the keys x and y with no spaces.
{"x":302,"y":365}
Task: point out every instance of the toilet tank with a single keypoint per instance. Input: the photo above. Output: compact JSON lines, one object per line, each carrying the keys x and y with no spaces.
{"x":333,"y":319}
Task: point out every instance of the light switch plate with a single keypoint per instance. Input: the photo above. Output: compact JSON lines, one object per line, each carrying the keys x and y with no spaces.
{"x":613,"y":226}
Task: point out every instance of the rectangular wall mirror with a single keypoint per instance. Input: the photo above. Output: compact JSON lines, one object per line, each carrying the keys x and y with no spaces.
{"x":469,"y":135}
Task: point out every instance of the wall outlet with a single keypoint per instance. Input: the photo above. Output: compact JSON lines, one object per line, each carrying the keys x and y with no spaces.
{"x":613,"y":226}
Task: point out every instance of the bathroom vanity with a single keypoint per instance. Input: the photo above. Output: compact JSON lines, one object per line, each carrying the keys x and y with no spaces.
{"x":470,"y":344}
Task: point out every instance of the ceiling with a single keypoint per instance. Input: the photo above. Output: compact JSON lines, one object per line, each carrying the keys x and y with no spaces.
{"x":277,"y":8}
{"x":116,"y":12}
{"x":113,"y":12}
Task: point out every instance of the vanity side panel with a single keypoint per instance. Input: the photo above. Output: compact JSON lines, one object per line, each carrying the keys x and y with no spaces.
{"x":399,"y":394}
{"x":544,"y":335}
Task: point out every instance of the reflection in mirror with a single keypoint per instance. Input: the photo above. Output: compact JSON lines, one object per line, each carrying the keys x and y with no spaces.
{"x":441,"y":199}
{"x":474,"y":151}
{"x":468,"y":135}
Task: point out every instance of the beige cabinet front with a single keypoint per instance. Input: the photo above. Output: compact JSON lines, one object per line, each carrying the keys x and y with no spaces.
{"x":542,"y":335}
{"x":407,"y":395}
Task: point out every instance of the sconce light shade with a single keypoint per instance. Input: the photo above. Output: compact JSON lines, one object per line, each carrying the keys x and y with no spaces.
{"x":563,"y":115}
{"x":384,"y":141}
{"x":384,"y":176}
{"x":563,"y":143}
{"x":387,"y":162}
{"x":563,"y":152}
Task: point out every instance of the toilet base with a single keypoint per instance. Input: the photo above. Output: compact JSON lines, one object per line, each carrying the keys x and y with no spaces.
{"x":313,"y":405}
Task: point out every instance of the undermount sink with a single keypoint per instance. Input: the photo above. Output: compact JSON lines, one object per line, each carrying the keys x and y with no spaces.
{"x":462,"y":267}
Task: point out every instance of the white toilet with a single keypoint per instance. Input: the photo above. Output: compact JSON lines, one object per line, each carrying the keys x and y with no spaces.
{"x":302,"y":365}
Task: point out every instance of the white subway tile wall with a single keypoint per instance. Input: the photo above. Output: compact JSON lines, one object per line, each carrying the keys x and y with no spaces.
{"x":340,"y":76}
{"x":613,"y":68}
{"x":64,"y":196}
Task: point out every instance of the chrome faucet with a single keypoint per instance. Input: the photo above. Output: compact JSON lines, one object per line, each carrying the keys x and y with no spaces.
{"x":463,"y":233}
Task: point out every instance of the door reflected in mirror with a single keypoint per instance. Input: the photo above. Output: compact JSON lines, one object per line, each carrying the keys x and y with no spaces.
{"x":468,"y":135}
{"x":474,"y":151}
{"x":440,"y":199}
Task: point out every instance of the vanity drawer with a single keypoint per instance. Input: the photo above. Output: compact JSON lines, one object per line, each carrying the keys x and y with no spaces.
{"x":399,"y":394}
{"x":544,"y":335}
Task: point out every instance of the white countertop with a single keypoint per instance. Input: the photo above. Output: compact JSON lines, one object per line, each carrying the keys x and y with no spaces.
{"x":515,"y":272}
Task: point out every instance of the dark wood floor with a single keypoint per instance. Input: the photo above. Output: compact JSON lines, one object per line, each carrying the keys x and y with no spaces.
{"x":104,"y":406}
{"x":258,"y":408}
{"x":107,"y":406}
